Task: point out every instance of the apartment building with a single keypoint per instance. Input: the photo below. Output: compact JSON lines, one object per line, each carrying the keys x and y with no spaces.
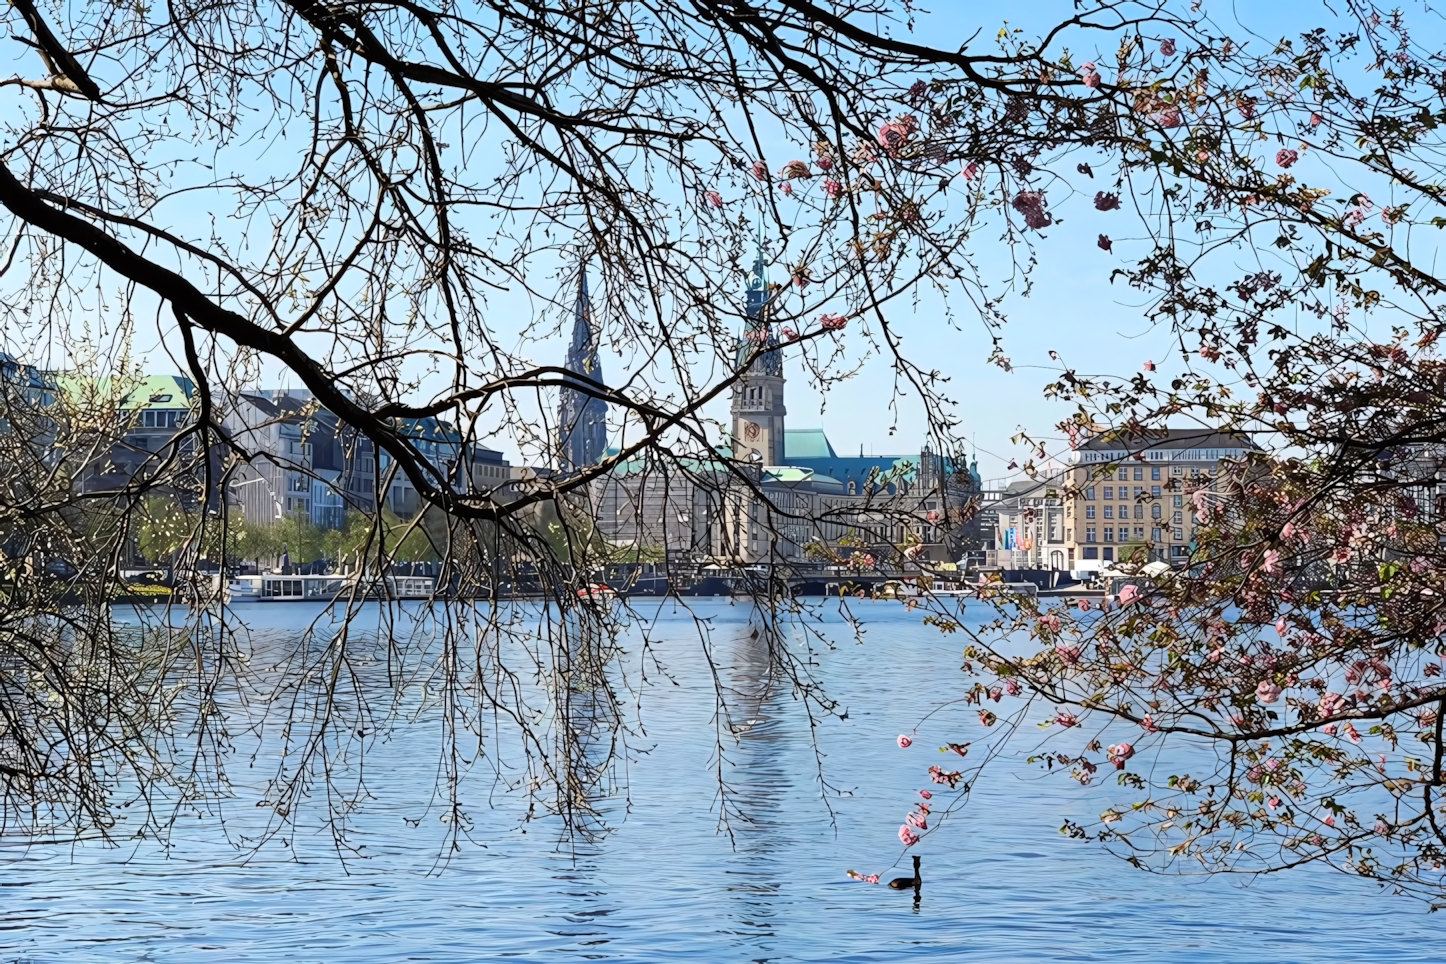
{"x":1129,"y":497}
{"x":135,"y":428}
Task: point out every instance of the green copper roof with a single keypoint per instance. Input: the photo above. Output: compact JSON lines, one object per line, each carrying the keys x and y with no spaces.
{"x":806,"y":443}
{"x":132,"y":394}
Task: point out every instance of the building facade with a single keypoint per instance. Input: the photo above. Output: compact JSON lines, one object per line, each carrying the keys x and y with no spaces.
{"x":1130,"y":497}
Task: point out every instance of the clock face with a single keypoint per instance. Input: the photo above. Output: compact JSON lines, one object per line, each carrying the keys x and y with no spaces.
{"x":751,"y":431}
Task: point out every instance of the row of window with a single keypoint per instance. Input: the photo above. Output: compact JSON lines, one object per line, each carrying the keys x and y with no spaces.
{"x":162,"y":418}
{"x":1125,"y":493}
{"x":1109,"y":512}
{"x":1108,"y":552}
{"x":1125,"y":473}
{"x":1156,"y":534}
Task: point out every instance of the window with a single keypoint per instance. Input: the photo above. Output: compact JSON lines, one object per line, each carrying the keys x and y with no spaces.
{"x":1155,"y":475}
{"x":1090,"y":552}
{"x":1124,"y":474}
{"x":1139,"y":491}
{"x":1178,"y":501}
{"x":1090,"y":511}
{"x":1090,"y":533}
{"x":1139,"y":473}
{"x":1176,"y":520}
{"x":1177,"y":470}
{"x":1155,"y":511}
{"x":1109,"y":511}
{"x":1109,"y":534}
{"x":1139,"y":511}
{"x":1109,"y":492}
{"x":1154,"y":535}
{"x":298,"y":483}
{"x":1090,"y":492}
{"x":1109,"y":553}
{"x":853,"y":488}
{"x":1179,"y":536}
{"x":1154,"y":491}
{"x":1139,"y":532}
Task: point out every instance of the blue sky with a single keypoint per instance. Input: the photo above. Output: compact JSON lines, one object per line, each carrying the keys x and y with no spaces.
{"x":1073,"y":308}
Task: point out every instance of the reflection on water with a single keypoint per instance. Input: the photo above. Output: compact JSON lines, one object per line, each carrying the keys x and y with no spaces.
{"x":666,"y":885}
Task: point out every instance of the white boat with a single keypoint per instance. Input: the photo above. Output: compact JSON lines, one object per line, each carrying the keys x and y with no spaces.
{"x":273,"y":587}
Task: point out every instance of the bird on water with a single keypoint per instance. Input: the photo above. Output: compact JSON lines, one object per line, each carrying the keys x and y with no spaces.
{"x":908,"y":883}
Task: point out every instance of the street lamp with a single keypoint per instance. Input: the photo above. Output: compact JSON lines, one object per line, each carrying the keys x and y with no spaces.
{"x":274,"y":500}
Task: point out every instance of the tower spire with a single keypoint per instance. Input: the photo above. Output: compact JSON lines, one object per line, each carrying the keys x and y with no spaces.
{"x":582,"y":417}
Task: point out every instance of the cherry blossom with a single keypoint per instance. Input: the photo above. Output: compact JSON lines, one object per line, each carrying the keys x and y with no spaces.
{"x":1267,"y":691}
{"x":1167,"y":47}
{"x":1128,"y":594}
{"x":760,"y":170}
{"x":793,"y":169}
{"x":1148,"y":366}
{"x":1106,"y":201}
{"x":1148,"y":724}
{"x":825,"y":164}
{"x":1119,"y":753}
{"x":969,"y":170}
{"x":1105,"y":244}
{"x":714,"y":199}
{"x":832,"y":322}
{"x":907,"y":836}
{"x":893,"y":136}
{"x":1088,"y":74}
{"x":832,"y":188}
{"x":944,"y":777}
{"x":904,"y":742}
{"x":787,"y":333}
{"x":1285,"y":157}
{"x":787,"y":188}
{"x":1030,"y":204}
{"x":866,"y":878}
{"x":925,"y":794}
{"x":1066,"y":719}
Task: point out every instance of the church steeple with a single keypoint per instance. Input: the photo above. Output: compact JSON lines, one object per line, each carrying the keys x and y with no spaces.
{"x":582,"y":417}
{"x":758,"y":410}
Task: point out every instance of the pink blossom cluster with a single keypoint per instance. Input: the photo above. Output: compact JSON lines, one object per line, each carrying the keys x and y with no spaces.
{"x":1030,"y":204}
{"x":939,"y":775}
{"x":832,"y":322}
{"x":795,"y":169}
{"x":894,"y":135}
{"x":1119,"y":753}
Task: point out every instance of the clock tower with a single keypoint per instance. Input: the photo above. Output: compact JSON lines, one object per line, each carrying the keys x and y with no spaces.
{"x":758,"y":410}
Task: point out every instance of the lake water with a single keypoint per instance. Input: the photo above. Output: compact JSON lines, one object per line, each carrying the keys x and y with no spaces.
{"x":1001,"y":884}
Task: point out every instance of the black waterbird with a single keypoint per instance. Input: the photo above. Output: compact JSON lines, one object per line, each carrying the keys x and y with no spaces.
{"x":908,"y":883}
